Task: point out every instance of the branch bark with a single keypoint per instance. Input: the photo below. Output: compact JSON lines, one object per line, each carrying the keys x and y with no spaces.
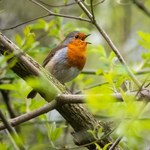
{"x":76,"y":114}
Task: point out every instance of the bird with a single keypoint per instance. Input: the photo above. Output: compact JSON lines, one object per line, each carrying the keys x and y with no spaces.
{"x":66,"y":61}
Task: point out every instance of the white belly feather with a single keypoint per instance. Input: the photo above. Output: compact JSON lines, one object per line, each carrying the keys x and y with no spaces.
{"x":57,"y":66}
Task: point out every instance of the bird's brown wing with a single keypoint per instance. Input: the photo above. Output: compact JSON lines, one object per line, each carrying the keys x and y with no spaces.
{"x":52,"y":53}
{"x":33,"y":93}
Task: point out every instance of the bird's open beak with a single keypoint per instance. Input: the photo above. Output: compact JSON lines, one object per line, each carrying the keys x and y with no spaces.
{"x":86,"y":37}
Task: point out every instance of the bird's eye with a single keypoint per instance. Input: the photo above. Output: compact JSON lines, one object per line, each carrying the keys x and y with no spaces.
{"x":77,"y":36}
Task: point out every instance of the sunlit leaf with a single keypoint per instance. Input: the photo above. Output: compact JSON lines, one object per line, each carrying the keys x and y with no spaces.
{"x":19,"y":40}
{"x":26,"y":31}
{"x":55,"y":132}
{"x":106,"y":146}
{"x":7,"y":87}
{"x":98,"y":147}
{"x":145,"y":39}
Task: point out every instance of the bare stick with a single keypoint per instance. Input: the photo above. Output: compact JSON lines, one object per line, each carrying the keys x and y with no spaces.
{"x":46,"y":15}
{"x":63,"y":5}
{"x":12,"y":140}
{"x":7,"y":125}
{"x":20,"y":24}
{"x":30,"y":115}
{"x":91,"y":86}
{"x":94,"y":4}
{"x":141,"y":6}
{"x":115,"y":143}
{"x":11,"y":132}
{"x":59,"y":15}
{"x":92,"y":10}
{"x":93,"y":72}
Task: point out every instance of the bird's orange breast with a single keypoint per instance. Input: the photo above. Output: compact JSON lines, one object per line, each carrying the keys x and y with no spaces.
{"x":76,"y":53}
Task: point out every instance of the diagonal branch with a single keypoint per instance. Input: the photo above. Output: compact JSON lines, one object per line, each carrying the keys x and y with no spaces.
{"x":141,"y":6}
{"x":30,"y":115}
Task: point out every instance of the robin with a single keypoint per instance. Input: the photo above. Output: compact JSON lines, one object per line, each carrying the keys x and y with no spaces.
{"x":67,"y":60}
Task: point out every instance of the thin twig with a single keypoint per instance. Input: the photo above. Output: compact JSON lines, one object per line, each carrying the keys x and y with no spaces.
{"x":5,"y":95}
{"x":12,"y":140}
{"x":7,"y":125}
{"x":110,"y":43}
{"x":92,"y":10}
{"x":115,"y":143}
{"x":25,"y":22}
{"x":141,"y":6}
{"x":63,"y":5}
{"x":59,"y":15}
{"x":94,"y":72}
{"x":30,"y":115}
{"x":37,"y":3}
{"x":90,"y":87}
{"x":11,"y":132}
{"x":86,"y":11}
{"x":94,"y":4}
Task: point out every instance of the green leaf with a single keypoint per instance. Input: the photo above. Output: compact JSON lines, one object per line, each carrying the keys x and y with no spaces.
{"x":106,"y":146}
{"x":19,"y":40}
{"x":93,"y":132}
{"x":8,"y":87}
{"x":98,"y":147}
{"x":100,"y":99}
{"x":100,"y":133}
{"x":26,"y":31}
{"x":111,"y":56}
{"x":55,"y":132}
{"x":145,"y":39}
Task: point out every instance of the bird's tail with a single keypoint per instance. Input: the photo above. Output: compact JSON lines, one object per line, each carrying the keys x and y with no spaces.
{"x":32,"y":94}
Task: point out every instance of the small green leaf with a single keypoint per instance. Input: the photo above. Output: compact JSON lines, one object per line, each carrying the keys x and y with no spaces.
{"x":7,"y":87}
{"x":100,"y":133}
{"x":145,"y":39}
{"x":19,"y":40}
{"x":26,"y":30}
{"x":106,"y":146}
{"x":98,"y":147}
{"x":55,"y":132}
{"x":93,"y":132}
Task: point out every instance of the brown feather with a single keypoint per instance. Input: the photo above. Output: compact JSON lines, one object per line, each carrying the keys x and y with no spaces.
{"x":51,"y":54}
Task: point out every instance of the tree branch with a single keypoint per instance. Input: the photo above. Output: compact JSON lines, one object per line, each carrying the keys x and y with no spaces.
{"x":141,"y":6}
{"x":67,"y":99}
{"x":12,"y":132}
{"x":115,"y":143}
{"x":30,"y":115}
